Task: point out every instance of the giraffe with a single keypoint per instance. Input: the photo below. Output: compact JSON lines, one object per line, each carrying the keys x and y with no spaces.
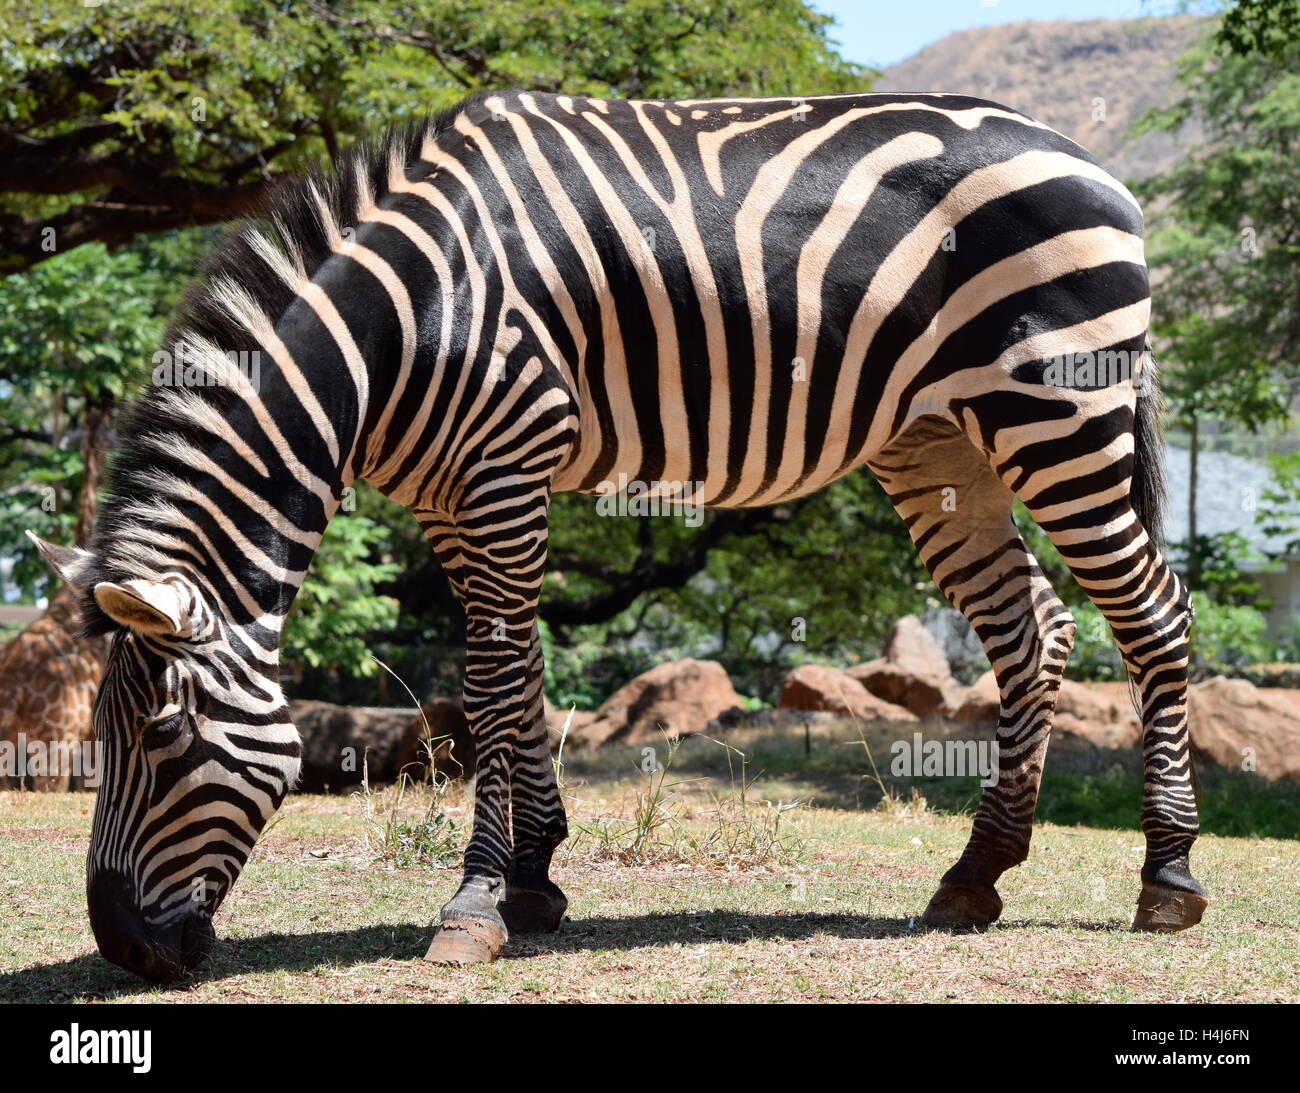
{"x":48,"y":676}
{"x":48,"y":671}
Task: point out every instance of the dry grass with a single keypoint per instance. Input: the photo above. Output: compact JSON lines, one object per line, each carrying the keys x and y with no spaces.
{"x":411,"y":822}
{"x":660,"y":826}
{"x":320,"y":916}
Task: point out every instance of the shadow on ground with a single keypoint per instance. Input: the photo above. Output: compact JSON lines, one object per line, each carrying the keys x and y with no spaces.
{"x":91,"y":977}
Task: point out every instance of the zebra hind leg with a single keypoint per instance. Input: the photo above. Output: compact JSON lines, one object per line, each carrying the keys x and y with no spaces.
{"x":958,"y":513}
{"x":533,"y":903}
{"x":1149,"y":612}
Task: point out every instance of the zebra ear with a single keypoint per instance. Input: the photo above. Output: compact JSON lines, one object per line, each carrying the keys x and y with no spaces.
{"x":70,"y":564}
{"x":147,"y":607}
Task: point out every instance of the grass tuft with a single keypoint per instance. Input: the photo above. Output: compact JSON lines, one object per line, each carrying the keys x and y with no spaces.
{"x":405,"y":837}
{"x":737,"y":832}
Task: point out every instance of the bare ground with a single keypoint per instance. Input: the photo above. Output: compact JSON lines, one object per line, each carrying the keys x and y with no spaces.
{"x":316,"y":917}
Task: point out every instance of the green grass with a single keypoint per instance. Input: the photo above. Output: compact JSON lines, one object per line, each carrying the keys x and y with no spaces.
{"x":320,"y":916}
{"x":828,"y":767}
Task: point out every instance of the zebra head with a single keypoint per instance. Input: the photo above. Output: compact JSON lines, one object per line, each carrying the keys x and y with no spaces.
{"x":196,"y":752}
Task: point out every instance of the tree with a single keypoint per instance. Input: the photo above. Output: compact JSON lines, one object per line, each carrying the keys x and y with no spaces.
{"x":338,"y":604}
{"x":1226,"y":242}
{"x":1266,"y":28}
{"x":128,"y":119}
{"x":822,"y":576}
{"x":142,"y":117}
{"x":75,"y":334}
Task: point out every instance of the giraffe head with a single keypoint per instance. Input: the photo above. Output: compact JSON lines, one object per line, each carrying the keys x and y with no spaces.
{"x":197,"y":753}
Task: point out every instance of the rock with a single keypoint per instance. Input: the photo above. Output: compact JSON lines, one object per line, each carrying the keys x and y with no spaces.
{"x":556,"y":718}
{"x":1233,"y":721}
{"x":958,"y":642}
{"x":336,"y":740}
{"x":1095,"y":729}
{"x":912,"y":672}
{"x":440,"y":730}
{"x":1106,"y":720}
{"x":1084,"y":715}
{"x":921,"y":694}
{"x":769,"y":718}
{"x":393,"y":741}
{"x":680,"y":697}
{"x":912,"y":648}
{"x":593,"y":733}
{"x":978,"y":702}
{"x":817,"y":687}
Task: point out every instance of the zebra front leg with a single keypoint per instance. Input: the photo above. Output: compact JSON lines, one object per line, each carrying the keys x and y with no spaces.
{"x":472,"y":930}
{"x":497,"y":574}
{"x":533,"y":903}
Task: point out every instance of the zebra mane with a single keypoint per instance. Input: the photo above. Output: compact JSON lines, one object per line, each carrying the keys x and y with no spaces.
{"x":254,"y":271}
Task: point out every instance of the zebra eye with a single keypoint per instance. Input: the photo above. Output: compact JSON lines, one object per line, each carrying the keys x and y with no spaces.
{"x":163,"y":731}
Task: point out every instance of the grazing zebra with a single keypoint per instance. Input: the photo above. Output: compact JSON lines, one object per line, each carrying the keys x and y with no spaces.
{"x":533,"y":293}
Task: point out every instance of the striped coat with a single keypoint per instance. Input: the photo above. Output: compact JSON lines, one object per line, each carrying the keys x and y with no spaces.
{"x":726,"y":302}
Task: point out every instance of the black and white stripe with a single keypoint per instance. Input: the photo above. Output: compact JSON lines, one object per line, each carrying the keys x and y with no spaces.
{"x":536,"y":293}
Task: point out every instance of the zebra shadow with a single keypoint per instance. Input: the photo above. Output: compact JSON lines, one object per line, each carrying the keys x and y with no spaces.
{"x":90,"y":977}
{"x":662,"y":928}
{"x":702,"y":927}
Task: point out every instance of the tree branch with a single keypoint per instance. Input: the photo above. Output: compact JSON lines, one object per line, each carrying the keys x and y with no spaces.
{"x":176,"y":203}
{"x":647,"y":574}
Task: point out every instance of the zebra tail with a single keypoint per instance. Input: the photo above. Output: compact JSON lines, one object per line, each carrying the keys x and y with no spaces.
{"x":1149,"y":490}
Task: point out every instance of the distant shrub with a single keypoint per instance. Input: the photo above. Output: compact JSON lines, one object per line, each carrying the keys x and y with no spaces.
{"x":1227,"y":639}
{"x":1095,"y":655}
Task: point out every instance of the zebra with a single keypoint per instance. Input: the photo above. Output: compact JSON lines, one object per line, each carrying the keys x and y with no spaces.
{"x":532,"y":293}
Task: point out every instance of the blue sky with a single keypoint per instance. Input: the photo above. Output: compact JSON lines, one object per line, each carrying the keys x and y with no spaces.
{"x":880,"y":33}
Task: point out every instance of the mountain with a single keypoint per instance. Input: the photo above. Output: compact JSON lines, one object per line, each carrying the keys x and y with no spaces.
{"x":1089,"y":79}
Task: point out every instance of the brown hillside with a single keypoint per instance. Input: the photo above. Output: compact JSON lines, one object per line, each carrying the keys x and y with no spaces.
{"x":1055,"y":71}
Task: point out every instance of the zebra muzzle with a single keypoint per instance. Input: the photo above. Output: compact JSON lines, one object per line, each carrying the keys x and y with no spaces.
{"x":161,"y":953}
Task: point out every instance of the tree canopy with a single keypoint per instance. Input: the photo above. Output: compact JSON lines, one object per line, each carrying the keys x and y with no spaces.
{"x":142,"y":117}
{"x":1225,"y":238}
{"x":131,"y":124}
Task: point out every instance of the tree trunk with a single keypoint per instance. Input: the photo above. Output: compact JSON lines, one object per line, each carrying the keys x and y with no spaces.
{"x":1193,"y":545}
{"x":92,"y":460}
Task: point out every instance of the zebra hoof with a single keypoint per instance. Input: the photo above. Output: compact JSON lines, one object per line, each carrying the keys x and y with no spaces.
{"x":1165,"y":910}
{"x":955,"y":906}
{"x":467,"y":940}
{"x":533,"y":911}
